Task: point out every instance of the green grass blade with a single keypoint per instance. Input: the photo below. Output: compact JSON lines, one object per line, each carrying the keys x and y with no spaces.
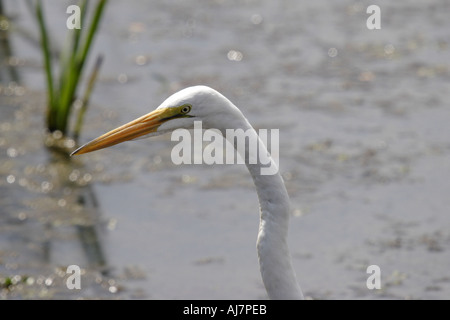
{"x":67,"y":58}
{"x":62,"y":94}
{"x":77,"y":66}
{"x":81,"y":55}
{"x":87,"y":95}
{"x":77,"y":32}
{"x":48,"y":67}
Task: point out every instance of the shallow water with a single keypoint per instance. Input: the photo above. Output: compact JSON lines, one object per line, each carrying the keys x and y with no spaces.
{"x":363,"y":118}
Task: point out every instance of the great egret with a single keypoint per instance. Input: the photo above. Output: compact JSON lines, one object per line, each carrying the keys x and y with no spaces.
{"x":204,"y":104}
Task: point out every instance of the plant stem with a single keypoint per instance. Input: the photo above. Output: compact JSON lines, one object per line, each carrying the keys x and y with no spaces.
{"x":76,"y":67}
{"x":62,"y":93}
{"x":51,"y":107}
{"x":87,"y":95}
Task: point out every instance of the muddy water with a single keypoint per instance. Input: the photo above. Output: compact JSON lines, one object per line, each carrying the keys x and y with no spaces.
{"x":363,"y":118}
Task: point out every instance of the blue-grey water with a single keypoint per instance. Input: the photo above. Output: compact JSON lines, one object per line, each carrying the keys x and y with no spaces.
{"x":364,"y":150}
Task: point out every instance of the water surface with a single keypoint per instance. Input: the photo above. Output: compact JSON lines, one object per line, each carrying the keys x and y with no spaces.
{"x":363,"y":118}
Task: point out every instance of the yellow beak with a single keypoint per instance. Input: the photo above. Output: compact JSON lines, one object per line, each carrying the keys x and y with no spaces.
{"x":139,"y":127}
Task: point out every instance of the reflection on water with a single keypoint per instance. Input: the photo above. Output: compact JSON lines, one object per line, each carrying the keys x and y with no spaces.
{"x":47,"y":203}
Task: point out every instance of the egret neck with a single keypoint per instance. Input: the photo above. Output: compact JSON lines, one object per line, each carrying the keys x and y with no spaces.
{"x":273,"y":252}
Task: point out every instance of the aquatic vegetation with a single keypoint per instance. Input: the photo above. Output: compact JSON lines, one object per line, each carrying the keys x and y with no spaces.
{"x":62,"y":95}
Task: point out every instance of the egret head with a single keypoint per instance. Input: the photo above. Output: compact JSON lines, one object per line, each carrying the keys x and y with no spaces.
{"x":180,"y":110}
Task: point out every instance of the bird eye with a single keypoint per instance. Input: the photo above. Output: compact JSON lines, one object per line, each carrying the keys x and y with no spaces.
{"x":185,"y":109}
